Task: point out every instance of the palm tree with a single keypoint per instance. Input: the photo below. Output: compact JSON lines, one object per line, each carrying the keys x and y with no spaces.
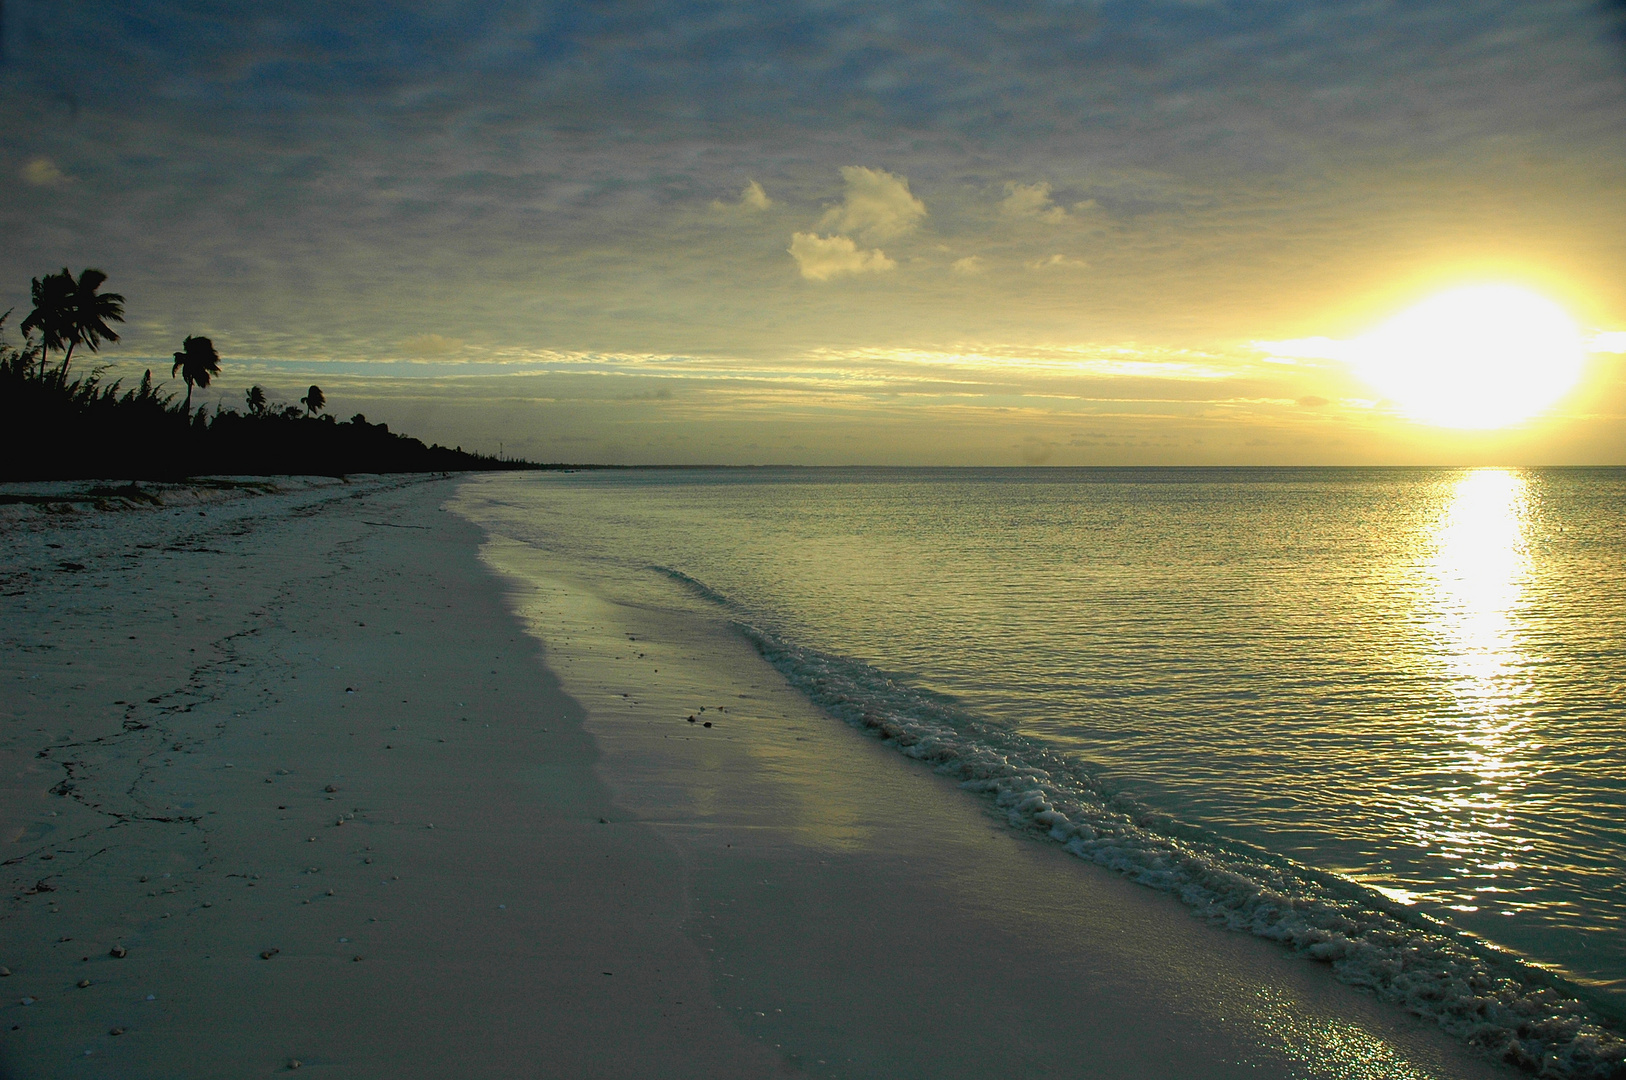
{"x":53,"y":312}
{"x":69,"y":313}
{"x":90,"y":312}
{"x":197,"y":363}
{"x":313,"y":400}
{"x":255,"y":396}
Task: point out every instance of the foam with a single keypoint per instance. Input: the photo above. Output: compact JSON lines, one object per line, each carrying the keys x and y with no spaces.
{"x":1512,"y":1010}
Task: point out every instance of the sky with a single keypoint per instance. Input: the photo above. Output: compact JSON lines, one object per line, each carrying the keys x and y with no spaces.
{"x":1068,"y":232}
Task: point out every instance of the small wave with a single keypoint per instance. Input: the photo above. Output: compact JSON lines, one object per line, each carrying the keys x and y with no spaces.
{"x":699,"y":588}
{"x":1514,"y":1011}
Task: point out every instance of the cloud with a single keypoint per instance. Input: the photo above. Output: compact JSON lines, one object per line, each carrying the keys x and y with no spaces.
{"x":429,"y":345}
{"x":1608,"y":341}
{"x":824,"y":257}
{"x":754,"y":197}
{"x":43,"y":172}
{"x":878,"y":205}
{"x":1312,"y":401}
{"x":1031,"y":201}
{"x":1308,"y":348}
{"x":751,"y":198}
{"x":970,"y":265}
{"x":1036,"y":451}
{"x":1058,"y":262}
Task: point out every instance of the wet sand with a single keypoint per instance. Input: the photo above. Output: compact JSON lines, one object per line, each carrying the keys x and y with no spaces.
{"x":298,"y":758}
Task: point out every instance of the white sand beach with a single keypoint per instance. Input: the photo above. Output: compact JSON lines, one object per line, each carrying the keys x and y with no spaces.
{"x":332,"y":779}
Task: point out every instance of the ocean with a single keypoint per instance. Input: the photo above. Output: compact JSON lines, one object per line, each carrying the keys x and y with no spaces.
{"x":1372,"y":713}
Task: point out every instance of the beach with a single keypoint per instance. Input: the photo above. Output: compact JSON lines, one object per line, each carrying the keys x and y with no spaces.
{"x":330,"y":778}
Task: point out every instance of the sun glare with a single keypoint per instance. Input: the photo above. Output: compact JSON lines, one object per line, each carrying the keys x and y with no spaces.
{"x":1481,"y":356}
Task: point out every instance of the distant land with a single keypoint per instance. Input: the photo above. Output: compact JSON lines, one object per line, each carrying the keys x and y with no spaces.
{"x":58,"y":426}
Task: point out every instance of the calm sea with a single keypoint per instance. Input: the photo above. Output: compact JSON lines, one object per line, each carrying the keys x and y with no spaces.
{"x":1410,"y":679}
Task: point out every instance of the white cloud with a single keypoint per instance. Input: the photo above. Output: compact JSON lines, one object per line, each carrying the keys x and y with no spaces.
{"x":751,"y":198}
{"x":754,"y":197}
{"x":1309,"y":348}
{"x":1031,"y":201}
{"x":43,"y":172}
{"x":824,"y":257}
{"x":969,"y":265}
{"x":1058,"y":262}
{"x":878,"y":205}
{"x":1608,"y":341}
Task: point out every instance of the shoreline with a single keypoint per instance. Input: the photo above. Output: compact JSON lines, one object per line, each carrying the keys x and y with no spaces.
{"x":824,"y":864}
{"x":211,"y":707}
{"x":470,"y":874}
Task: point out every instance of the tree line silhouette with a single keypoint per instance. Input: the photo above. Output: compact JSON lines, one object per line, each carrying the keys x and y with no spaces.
{"x":57,"y":426}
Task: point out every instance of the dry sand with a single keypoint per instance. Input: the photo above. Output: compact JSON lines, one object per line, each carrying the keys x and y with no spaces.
{"x":296,"y":758}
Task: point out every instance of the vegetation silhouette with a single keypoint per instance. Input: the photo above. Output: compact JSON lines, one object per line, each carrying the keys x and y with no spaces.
{"x":198,"y":363}
{"x":50,"y":315}
{"x":56,"y":428}
{"x":69,"y":312}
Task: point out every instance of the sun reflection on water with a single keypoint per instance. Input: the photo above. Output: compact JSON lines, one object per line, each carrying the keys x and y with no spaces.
{"x":1475,"y":579}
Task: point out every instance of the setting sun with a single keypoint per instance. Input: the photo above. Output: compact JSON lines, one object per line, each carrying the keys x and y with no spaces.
{"x":1481,"y":356}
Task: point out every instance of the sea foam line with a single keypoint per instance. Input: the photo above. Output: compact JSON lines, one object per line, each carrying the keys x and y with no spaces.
{"x":1513,"y":1011}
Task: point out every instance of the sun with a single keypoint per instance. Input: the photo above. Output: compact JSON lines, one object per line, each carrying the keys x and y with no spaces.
{"x":1479,"y":356}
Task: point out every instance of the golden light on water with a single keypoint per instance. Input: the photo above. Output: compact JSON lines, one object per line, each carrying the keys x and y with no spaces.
{"x":1480,"y":356}
{"x":1476,"y":577}
{"x":1478,"y":573}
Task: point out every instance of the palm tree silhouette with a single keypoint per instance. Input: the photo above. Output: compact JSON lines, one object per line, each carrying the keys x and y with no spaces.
{"x":90,"y":312}
{"x":313,"y":400}
{"x":53,"y":312}
{"x":69,"y":313}
{"x":255,"y":396}
{"x":197,"y":363}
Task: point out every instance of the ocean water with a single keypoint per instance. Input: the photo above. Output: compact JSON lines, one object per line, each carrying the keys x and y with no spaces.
{"x":1379,"y":715}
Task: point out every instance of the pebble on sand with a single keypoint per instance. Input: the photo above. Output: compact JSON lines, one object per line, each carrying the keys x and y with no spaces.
{"x":4,"y":971}
{"x":118,"y":952}
{"x":83,"y":983}
{"x":116,"y":1031}
{"x":269,"y":953}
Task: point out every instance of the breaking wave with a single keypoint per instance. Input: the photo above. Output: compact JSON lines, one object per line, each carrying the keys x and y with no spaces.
{"x":1512,"y":1010}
